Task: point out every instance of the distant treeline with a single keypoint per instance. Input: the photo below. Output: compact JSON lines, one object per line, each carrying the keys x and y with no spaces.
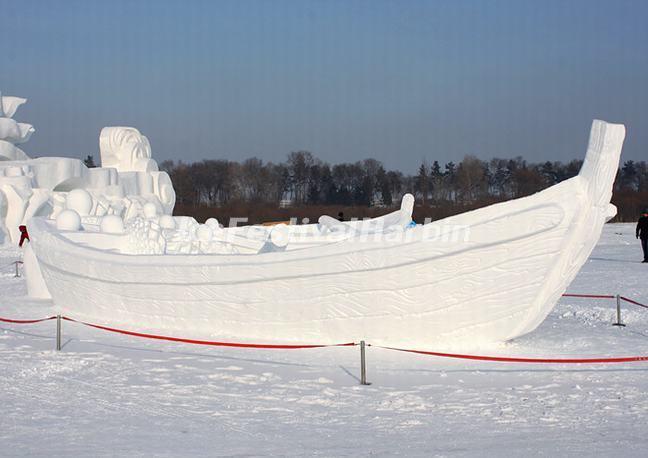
{"x":303,"y":185}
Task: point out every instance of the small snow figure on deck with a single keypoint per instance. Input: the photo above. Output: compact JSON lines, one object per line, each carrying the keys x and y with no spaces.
{"x":642,"y":233}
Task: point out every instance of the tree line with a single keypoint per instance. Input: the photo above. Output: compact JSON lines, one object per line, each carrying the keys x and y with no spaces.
{"x":303,"y":180}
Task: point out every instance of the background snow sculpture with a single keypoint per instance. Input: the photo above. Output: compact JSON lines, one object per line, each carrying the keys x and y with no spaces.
{"x":12,"y":132}
{"x":127,"y":182}
{"x":125,"y":149}
{"x":129,"y":152}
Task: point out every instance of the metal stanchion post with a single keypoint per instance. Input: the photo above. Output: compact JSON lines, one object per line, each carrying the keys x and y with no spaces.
{"x":17,"y":272}
{"x":363,"y":365}
{"x":58,"y":332}
{"x":618,"y":304}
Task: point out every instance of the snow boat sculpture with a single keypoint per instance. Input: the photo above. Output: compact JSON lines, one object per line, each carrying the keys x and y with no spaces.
{"x":484,"y":276}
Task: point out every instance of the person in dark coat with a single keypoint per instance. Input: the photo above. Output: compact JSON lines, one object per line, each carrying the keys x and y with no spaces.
{"x":642,"y":233}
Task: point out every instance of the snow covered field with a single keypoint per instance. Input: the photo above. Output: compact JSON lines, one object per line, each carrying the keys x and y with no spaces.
{"x":107,"y":394}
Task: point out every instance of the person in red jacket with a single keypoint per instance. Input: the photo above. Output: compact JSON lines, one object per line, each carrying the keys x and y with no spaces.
{"x":24,"y":235}
{"x":642,"y":233}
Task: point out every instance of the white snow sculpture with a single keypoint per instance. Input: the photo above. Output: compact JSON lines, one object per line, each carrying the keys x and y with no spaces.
{"x":112,"y":224}
{"x":277,"y":240}
{"x":16,"y":193}
{"x":36,"y":287}
{"x":280,"y":235}
{"x":213,"y":223}
{"x":144,"y":237}
{"x":129,"y":152}
{"x":395,"y":221}
{"x":15,"y":186}
{"x":9,"y":152}
{"x":150,"y":210}
{"x":167,"y":222}
{"x":3,"y":213}
{"x":68,"y":220}
{"x":126,"y":149}
{"x":487,"y":275}
{"x":127,"y":184}
{"x":204,"y":233}
{"x":80,"y":201}
{"x":329,"y":224}
{"x":9,"y":105}
{"x":14,"y":132}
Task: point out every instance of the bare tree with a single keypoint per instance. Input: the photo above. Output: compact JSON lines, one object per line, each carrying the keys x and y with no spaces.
{"x":422,"y":182}
{"x":299,"y":164}
{"x":472,"y":182}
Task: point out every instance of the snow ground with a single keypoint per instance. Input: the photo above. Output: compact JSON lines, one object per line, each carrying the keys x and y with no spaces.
{"x":107,"y":394}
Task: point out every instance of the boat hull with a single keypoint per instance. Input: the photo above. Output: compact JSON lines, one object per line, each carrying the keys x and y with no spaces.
{"x":489,"y":275}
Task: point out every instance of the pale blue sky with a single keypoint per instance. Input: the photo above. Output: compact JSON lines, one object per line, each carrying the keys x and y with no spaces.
{"x":396,"y":80}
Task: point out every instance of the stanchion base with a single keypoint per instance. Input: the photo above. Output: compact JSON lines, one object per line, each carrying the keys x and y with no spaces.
{"x":621,"y":325}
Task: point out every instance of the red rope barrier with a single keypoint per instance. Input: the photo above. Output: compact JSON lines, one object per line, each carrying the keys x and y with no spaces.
{"x":633,"y":302}
{"x":206,"y":342}
{"x":504,"y":359}
{"x":604,"y":296}
{"x":9,"y":320}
